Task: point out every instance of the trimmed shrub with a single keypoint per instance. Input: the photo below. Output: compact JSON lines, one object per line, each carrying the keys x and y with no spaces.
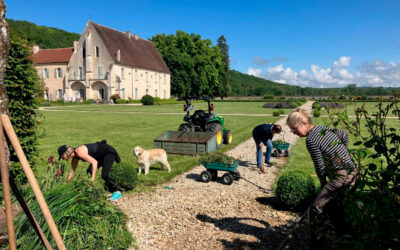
{"x":295,"y":189}
{"x":276,"y":113}
{"x":115,"y":97}
{"x":120,"y":101}
{"x":282,"y":111}
{"x":316,"y":113}
{"x":92,"y":101}
{"x":157,"y":100}
{"x":147,"y":100}
{"x":125,"y":176}
{"x":269,"y":97}
{"x":84,"y":217}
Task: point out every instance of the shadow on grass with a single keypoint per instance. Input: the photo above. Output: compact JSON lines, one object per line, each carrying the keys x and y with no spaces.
{"x":274,"y":203}
{"x":268,"y":237}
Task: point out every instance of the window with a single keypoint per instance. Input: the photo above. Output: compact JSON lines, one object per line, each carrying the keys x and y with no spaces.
{"x":100,"y":71}
{"x":155,"y":93}
{"x":58,"y":73}
{"x":55,"y":73}
{"x":45,"y":73}
{"x":59,"y":93}
{"x":97,"y":52}
{"x":122,"y":72}
{"x":136,"y":93}
{"x":101,"y":94}
{"x":80,"y":73}
{"x":165,"y":94}
{"x":147,"y":91}
{"x":123,"y":93}
{"x":165,"y":79}
{"x":84,"y":50}
{"x":147,"y":76}
{"x":136,"y":75}
{"x":156,"y":78}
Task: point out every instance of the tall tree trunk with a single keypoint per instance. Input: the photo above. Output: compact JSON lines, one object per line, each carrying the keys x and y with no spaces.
{"x":3,"y":64}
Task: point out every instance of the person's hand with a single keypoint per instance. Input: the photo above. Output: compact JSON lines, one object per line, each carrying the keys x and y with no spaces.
{"x":70,"y":175}
{"x":261,"y":145}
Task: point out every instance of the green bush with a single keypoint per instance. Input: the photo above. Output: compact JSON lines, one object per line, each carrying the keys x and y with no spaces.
{"x":269,"y":97}
{"x":293,"y":104}
{"x":276,"y":113}
{"x":157,"y":100}
{"x":316,"y":113}
{"x":295,"y":189}
{"x":125,"y":176}
{"x":120,"y":101}
{"x":60,"y":101}
{"x":282,"y":111}
{"x":115,"y":97}
{"x":92,"y":101}
{"x":147,"y":100}
{"x":46,"y":104}
{"x":84,"y":217}
{"x":86,"y":102}
{"x":217,"y":157}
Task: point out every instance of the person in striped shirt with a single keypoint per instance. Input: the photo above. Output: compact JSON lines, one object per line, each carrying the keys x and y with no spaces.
{"x":331,"y":158}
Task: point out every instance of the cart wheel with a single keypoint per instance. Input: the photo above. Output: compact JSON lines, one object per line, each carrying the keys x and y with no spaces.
{"x":214,"y":174}
{"x":205,"y":176}
{"x":236,"y":175}
{"x":274,"y":153}
{"x":227,"y":178}
{"x":286,"y":153}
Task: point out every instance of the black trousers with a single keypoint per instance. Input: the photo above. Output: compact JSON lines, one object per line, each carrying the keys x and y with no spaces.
{"x":106,"y":165}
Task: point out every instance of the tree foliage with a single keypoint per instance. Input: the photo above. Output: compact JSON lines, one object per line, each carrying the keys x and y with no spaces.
{"x":22,"y":85}
{"x":195,"y":64}
{"x":43,"y":36}
{"x":224,"y":48}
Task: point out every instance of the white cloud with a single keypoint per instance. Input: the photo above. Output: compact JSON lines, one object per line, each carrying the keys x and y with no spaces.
{"x":254,"y":72}
{"x":373,"y":74}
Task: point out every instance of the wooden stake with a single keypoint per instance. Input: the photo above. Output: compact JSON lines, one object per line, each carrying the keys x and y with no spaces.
{"x":29,"y":214}
{"x":6,"y":191}
{"x":32,"y":181}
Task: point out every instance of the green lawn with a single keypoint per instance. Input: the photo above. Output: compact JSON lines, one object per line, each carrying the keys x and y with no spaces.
{"x":219,"y":108}
{"x":351,"y":107}
{"x":126,"y":130}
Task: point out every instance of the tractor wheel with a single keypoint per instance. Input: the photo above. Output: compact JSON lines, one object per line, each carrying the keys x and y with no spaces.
{"x":216,"y":127}
{"x":184,"y":127}
{"x":227,"y":178}
{"x":205,"y":176}
{"x":214,"y":174}
{"x":227,"y":137}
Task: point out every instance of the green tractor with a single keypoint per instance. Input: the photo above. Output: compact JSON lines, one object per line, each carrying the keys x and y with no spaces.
{"x":201,"y":121}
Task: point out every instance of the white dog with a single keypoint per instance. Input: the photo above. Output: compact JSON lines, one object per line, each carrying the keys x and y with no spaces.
{"x":147,"y":157}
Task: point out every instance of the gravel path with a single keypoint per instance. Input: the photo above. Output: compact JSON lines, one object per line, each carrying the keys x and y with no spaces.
{"x":196,"y":215}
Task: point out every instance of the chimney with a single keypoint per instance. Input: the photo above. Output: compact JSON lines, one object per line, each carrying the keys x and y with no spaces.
{"x":35,"y":49}
{"x":128,"y":33}
{"x":118,"y":55}
{"x":136,"y":36}
{"x":76,"y":46}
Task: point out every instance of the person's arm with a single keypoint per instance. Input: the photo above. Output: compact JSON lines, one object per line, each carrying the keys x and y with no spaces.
{"x":82,"y":152}
{"x":319,"y":164}
{"x":74,"y":165}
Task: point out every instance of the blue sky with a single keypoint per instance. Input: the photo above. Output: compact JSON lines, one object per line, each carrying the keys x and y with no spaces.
{"x":325,"y":43}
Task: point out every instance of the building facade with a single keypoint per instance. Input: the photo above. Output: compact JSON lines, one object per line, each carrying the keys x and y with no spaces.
{"x":106,"y":62}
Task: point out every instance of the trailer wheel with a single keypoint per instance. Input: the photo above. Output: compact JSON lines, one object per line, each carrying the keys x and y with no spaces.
{"x":214,"y":174}
{"x":205,"y":176}
{"x":274,"y":153}
{"x":236,"y":175}
{"x":227,"y":178}
{"x":286,"y":153}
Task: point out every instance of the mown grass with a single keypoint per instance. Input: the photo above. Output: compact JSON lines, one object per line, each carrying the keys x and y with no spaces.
{"x":219,"y":108}
{"x":126,"y":130}
{"x":351,"y":107}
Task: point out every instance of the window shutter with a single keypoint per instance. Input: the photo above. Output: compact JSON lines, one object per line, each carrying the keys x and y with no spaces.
{"x":55,"y":73}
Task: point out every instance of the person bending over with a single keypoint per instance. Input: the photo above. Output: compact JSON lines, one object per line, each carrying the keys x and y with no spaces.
{"x":262,"y":134}
{"x":331,"y":158}
{"x":98,"y":154}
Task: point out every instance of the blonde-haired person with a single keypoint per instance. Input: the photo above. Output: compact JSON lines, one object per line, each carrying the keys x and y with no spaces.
{"x":331,"y":158}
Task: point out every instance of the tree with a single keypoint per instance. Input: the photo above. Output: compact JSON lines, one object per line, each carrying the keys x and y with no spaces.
{"x":195,"y":64}
{"x":21,"y":81}
{"x":224,"y":48}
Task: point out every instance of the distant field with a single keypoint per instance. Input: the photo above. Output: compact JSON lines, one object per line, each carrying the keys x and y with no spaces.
{"x":351,"y":107}
{"x":126,"y":130}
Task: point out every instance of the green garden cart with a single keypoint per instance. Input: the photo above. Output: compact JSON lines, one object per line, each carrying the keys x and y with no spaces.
{"x":212,"y":168}
{"x":280,"y":148}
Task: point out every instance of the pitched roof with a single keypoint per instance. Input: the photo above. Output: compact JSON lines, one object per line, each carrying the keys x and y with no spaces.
{"x":133,"y":52}
{"x":53,"y":55}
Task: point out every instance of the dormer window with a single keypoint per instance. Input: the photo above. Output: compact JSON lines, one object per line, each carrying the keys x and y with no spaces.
{"x":97,"y":52}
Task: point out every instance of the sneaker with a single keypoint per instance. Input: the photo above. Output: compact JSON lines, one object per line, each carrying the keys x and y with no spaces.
{"x":270,"y":164}
{"x":115,"y":196}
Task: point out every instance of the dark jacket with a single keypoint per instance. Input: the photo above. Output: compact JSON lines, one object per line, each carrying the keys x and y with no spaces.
{"x":100,"y":149}
{"x":263,"y":132}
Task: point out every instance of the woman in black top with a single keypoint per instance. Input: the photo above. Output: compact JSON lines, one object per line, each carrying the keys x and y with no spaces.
{"x":98,"y":154}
